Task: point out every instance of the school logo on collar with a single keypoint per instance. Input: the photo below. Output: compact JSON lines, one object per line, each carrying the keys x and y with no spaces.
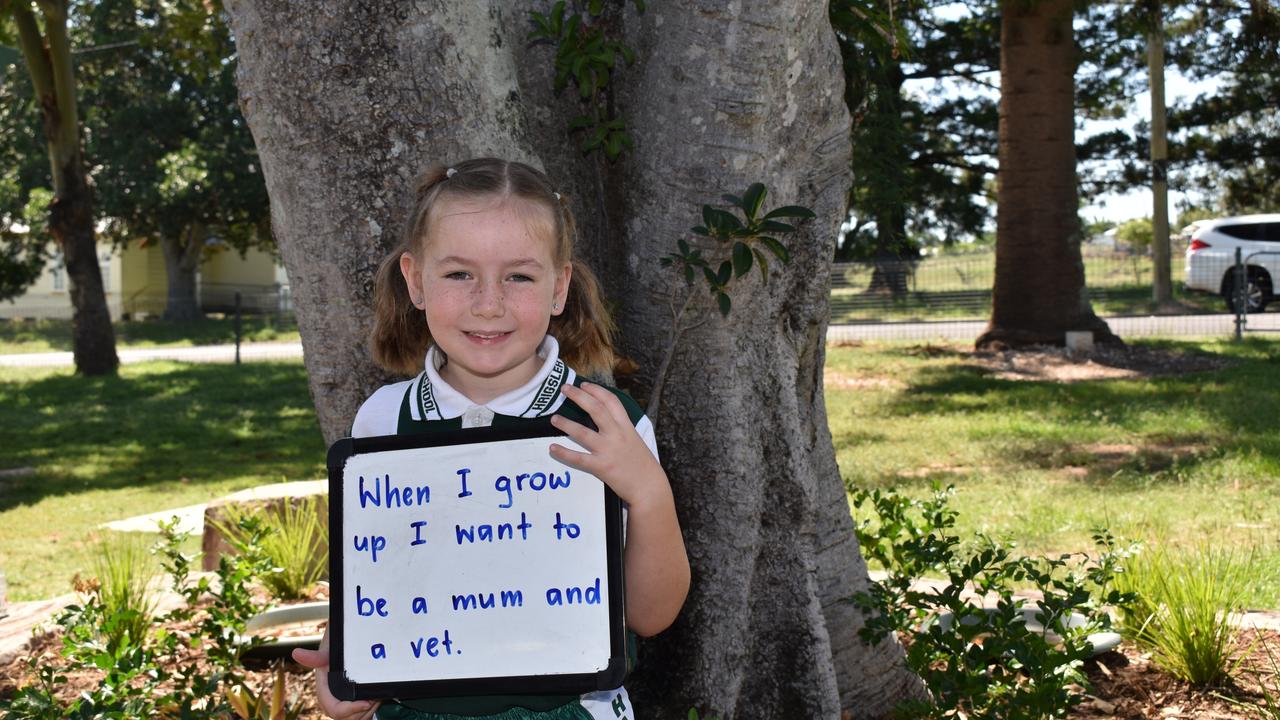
{"x":546,"y":395}
{"x":427,"y":399}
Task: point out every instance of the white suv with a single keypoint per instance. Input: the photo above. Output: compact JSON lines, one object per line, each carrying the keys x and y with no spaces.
{"x":1211,"y":257}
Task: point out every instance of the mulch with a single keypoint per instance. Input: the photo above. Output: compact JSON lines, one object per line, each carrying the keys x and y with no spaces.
{"x":1124,"y":683}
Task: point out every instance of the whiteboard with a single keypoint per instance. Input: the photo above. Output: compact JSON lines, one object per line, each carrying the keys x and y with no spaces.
{"x":471,"y":562}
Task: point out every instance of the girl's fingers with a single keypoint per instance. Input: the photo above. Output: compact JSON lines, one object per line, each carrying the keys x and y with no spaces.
{"x":578,"y":432}
{"x":608,"y":402}
{"x":573,"y":458}
{"x":590,"y":402}
{"x":313,"y":659}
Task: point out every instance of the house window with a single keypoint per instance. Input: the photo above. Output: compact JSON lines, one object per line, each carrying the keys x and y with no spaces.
{"x":59,"y":277}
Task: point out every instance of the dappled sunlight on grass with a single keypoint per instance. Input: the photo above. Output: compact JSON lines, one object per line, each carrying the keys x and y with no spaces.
{"x":161,"y":435}
{"x":1184,"y":456}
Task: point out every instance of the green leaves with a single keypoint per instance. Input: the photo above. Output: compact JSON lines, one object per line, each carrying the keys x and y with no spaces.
{"x":736,"y":242}
{"x":978,"y":661}
{"x":586,"y":55}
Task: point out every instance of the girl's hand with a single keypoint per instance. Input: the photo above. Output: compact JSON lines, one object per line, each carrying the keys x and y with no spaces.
{"x":654,"y":559}
{"x":615,"y":452}
{"x":318,"y":660}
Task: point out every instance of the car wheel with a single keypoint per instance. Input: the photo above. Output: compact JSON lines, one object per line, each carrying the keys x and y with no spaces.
{"x":1257,"y":294}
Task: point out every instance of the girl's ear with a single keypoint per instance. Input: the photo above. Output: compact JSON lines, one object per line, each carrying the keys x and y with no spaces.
{"x":563,"y":278}
{"x":413,"y":279}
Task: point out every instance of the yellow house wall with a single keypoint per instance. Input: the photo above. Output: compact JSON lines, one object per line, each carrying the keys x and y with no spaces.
{"x":135,"y":282}
{"x":48,"y":297}
{"x":144,"y":281}
{"x":226,"y":267}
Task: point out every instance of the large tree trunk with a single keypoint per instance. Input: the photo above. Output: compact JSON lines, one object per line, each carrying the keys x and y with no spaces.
{"x":343,"y":120}
{"x":1039,"y":291}
{"x":181,"y":260}
{"x":347,"y":104}
{"x":768,"y":631}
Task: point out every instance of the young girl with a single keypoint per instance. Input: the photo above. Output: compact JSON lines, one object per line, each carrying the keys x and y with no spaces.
{"x":485,"y":285}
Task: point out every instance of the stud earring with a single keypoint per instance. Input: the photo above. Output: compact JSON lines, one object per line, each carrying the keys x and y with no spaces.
{"x":555,"y":307}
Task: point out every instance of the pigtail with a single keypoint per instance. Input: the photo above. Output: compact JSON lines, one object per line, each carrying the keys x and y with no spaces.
{"x":585,"y":329}
{"x":400,"y":337}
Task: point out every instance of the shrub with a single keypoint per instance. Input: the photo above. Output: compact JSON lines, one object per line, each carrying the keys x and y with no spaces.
{"x":1188,"y":604}
{"x":124,"y":586}
{"x":165,"y":673}
{"x":295,"y":541}
{"x":270,"y":704}
{"x":984,"y":662}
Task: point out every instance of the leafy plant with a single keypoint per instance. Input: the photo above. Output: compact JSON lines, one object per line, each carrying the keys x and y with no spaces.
{"x":164,"y":673}
{"x":725,"y":248}
{"x":587,"y":52}
{"x":1187,"y":605}
{"x":983,"y":662}
{"x":294,"y":540}
{"x":250,"y":705}
{"x":123,"y":584}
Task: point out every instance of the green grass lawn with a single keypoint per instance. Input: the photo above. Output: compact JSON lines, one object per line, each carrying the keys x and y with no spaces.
{"x":30,"y":336}
{"x":1173,"y":460}
{"x":161,"y":435}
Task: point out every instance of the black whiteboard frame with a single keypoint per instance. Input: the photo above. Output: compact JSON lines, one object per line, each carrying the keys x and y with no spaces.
{"x":551,"y":684}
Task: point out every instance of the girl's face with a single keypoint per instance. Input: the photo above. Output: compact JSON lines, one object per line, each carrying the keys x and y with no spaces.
{"x":489,"y":283}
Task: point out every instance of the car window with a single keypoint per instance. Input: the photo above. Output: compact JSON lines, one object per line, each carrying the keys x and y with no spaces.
{"x":1271,"y":232}
{"x":1244,"y":231}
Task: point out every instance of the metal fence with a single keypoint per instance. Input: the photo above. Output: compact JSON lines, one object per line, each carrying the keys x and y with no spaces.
{"x":945,"y":297}
{"x":948,"y":296}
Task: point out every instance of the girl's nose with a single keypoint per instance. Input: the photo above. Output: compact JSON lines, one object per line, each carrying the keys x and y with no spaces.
{"x":487,"y":300}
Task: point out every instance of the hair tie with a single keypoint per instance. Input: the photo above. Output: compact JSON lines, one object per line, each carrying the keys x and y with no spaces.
{"x":557,"y":196}
{"x":450,"y":173}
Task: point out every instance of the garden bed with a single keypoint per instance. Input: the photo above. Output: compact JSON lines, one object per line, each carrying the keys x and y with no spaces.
{"x":1124,"y":684}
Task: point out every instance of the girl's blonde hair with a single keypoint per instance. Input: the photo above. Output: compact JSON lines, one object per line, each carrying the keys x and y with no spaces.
{"x":400,"y":335}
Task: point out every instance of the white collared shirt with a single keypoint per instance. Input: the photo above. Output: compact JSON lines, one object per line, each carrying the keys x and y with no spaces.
{"x":432,"y":398}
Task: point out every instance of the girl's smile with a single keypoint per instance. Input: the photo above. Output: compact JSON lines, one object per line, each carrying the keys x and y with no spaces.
{"x":489,"y":284}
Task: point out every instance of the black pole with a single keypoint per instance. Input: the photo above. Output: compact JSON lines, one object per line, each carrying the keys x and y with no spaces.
{"x":1241,"y":291}
{"x":237,"y":328}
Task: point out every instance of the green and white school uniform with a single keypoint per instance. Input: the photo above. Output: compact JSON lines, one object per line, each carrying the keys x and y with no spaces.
{"x":428,"y":404}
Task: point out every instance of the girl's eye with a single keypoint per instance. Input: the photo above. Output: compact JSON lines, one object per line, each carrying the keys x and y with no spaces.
{"x":521,"y":278}
{"x":457,"y":275}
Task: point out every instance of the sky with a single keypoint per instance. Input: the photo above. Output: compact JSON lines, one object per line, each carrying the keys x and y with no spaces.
{"x":1137,"y":204}
{"x":1114,"y":207}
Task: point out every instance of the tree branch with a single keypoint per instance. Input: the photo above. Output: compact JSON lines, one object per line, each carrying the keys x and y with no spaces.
{"x":32,"y":44}
{"x":64,"y":79}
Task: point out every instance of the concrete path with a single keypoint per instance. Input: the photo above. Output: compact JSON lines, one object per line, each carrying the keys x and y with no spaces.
{"x":197,"y":353}
{"x":1222,"y":325}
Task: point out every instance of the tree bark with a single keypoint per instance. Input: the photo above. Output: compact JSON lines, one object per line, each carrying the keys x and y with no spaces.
{"x":181,"y":260}
{"x":343,"y":121}
{"x":93,"y":339}
{"x":1039,"y":291}
{"x":715,"y":104}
